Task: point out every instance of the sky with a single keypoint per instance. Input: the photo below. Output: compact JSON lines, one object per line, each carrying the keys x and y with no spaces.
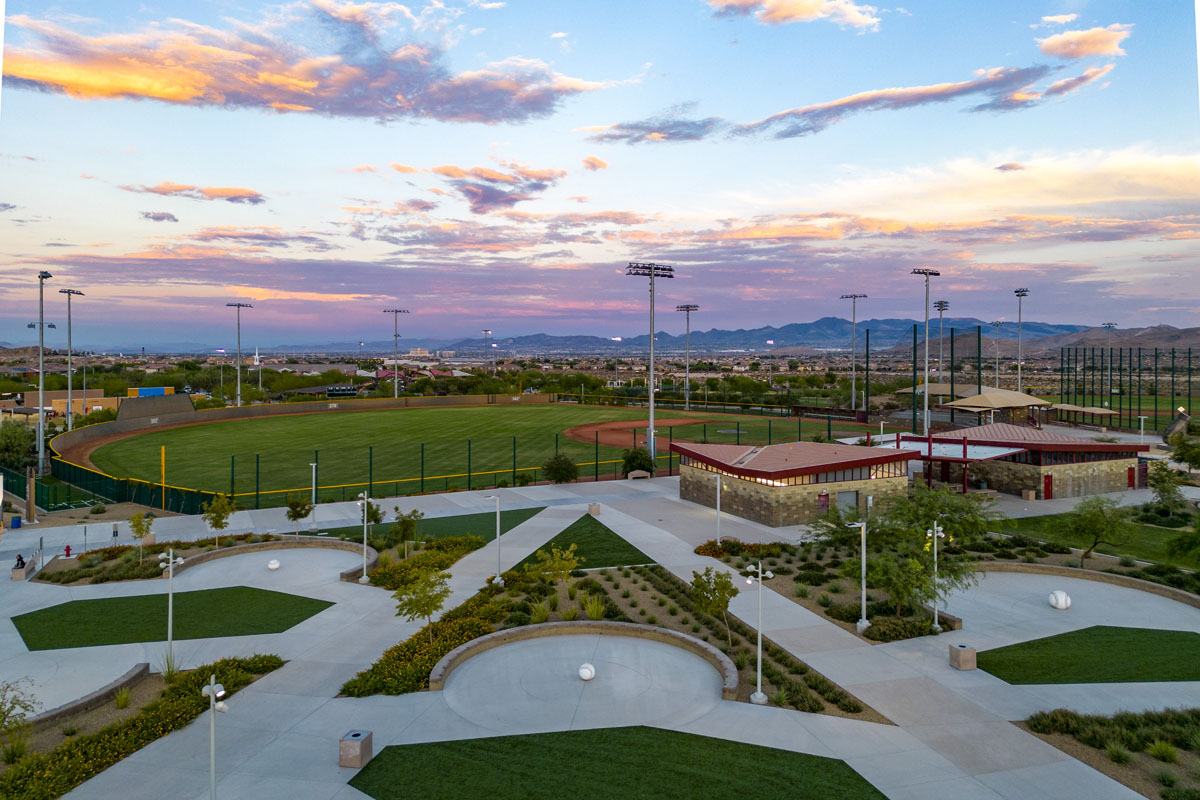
{"x":488,"y":164}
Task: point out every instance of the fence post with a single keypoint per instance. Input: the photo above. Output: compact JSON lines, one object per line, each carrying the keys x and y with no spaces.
{"x":828,"y":428}
{"x":255,"y":483}
{"x":670,"y":439}
{"x":515,"y":453}
{"x":768,"y":431}
{"x":556,"y":444}
{"x":739,"y":432}
{"x":370,"y":470}
{"x":422,"y":468}
{"x":468,"y":465}
{"x":596,"y":465}
{"x":800,"y":427}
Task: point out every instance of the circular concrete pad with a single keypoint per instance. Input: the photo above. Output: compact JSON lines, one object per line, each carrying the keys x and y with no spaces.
{"x":535,"y":684}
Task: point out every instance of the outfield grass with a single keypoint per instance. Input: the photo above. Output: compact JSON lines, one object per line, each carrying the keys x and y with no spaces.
{"x":392,"y":449}
{"x":599,"y":546}
{"x":616,"y":763}
{"x":1146,"y":542}
{"x":234,"y":611}
{"x":482,"y":525}
{"x":1100,"y":654}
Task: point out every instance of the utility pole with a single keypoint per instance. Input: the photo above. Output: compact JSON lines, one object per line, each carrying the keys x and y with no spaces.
{"x":651,"y":271}
{"x":687,"y":309}
{"x":853,"y":298}
{"x":395,"y":312}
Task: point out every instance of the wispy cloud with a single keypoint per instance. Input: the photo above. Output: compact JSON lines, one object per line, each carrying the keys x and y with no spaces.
{"x":593,"y":163}
{"x":670,"y":126}
{"x":1082,"y":44}
{"x":6,"y":207}
{"x":263,"y":66}
{"x":778,"y":12}
{"x":159,"y":216}
{"x":1055,"y":19}
{"x":230,"y":194}
{"x":1010,"y":166}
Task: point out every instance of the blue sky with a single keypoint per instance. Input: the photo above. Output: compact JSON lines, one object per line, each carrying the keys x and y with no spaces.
{"x":495,"y":164}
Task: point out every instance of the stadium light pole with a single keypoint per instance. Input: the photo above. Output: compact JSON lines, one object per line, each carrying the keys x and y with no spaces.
{"x":651,"y":271}
{"x":853,"y":298}
{"x":487,"y":349}
{"x":41,"y":431}
{"x":996,"y":325}
{"x":927,"y":273}
{"x":239,"y":307}
{"x":395,"y":312}
{"x":1021,"y":295}
{"x":941,"y":306}
{"x":687,"y":309}
{"x":70,"y":363}
{"x":1110,"y":326}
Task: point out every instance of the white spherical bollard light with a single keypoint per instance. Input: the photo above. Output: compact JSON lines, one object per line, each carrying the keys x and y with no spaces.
{"x":273,"y":565}
{"x":1060,"y":600}
{"x":587,"y":672}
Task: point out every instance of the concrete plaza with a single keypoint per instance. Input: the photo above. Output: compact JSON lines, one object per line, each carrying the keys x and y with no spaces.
{"x":952,"y":735}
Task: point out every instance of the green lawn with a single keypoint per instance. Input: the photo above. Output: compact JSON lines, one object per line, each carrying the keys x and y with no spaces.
{"x":234,"y":611}
{"x":615,"y":763}
{"x":599,"y":546}
{"x":1100,"y":654}
{"x":399,"y":446}
{"x":1146,"y":542}
{"x":483,"y":525}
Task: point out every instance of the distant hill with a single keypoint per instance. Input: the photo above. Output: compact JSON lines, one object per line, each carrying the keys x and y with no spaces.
{"x":1160,"y":336}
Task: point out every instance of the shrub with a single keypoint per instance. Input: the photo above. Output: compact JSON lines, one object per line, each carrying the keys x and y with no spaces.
{"x":69,"y":730}
{"x":892,"y":629}
{"x":438,"y":555}
{"x":653,"y":620}
{"x":825,"y":601}
{"x":1117,"y":753}
{"x":515,"y":620}
{"x":801,"y":590}
{"x":1164,"y":751}
{"x":638,"y":458}
{"x":835,"y":588}
{"x":741,"y":659}
{"x":121,"y":697}
{"x":540,"y":613}
{"x":99,"y":508}
{"x":780,"y":698}
{"x":1126,"y":561}
{"x":560,"y":469}
{"x":1166,"y":777}
{"x":593,"y":606}
{"x":569,"y":613}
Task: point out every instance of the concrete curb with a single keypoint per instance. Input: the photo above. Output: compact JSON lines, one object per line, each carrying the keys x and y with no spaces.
{"x":722,"y":662}
{"x":1170,"y":592}
{"x":95,"y":699}
{"x":288,"y":543}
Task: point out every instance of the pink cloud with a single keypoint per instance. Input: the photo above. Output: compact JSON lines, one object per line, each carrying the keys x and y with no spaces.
{"x":592,"y":163}
{"x":778,"y":12}
{"x":229,"y":194}
{"x":1081,"y":44}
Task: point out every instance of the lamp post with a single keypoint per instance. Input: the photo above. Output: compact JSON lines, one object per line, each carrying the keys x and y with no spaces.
{"x":70,"y":367}
{"x":395,"y":312}
{"x":215,"y":693}
{"x":496,"y":497}
{"x":652,"y":271}
{"x":718,"y":511}
{"x":365,"y":502}
{"x":853,"y":298}
{"x":927,"y":273}
{"x":1021,"y":295}
{"x":167,"y":561}
{"x":41,"y":435}
{"x":863,"y":623}
{"x":935,"y":533}
{"x":239,"y":307}
{"x":758,"y":698}
{"x":687,"y":309}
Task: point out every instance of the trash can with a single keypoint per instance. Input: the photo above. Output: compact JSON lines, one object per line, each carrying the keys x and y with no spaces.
{"x":15,"y":522}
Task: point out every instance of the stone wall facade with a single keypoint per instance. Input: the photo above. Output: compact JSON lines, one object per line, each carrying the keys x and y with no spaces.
{"x":1069,"y":480}
{"x":778,"y":506}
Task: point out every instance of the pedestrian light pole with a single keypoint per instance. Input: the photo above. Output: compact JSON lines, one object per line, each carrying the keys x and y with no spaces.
{"x":687,"y":309}
{"x":651,"y":271}
{"x":863,"y":623}
{"x":1021,"y":295}
{"x":756,"y":573}
{"x":395,"y":312}
{"x":496,"y":497}
{"x":853,"y":298}
{"x":70,"y":363}
{"x":927,"y":273}
{"x":934,"y":534}
{"x":239,"y":307}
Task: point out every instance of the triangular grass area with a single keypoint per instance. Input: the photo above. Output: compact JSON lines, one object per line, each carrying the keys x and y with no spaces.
{"x":1100,"y":654}
{"x":606,"y":764}
{"x":598,"y":545}
{"x":204,"y":614}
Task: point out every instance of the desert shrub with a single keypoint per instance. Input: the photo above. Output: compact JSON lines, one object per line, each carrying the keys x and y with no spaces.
{"x":893,"y":629}
{"x":1164,"y":751}
{"x":1117,"y":753}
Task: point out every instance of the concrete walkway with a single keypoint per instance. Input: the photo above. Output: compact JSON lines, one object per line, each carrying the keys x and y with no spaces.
{"x":952,"y":737}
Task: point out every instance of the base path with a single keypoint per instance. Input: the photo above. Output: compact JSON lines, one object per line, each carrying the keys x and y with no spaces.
{"x":622,"y":432}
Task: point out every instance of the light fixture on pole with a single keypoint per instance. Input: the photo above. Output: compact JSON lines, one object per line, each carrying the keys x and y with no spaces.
{"x":70,"y":363}
{"x":941,"y":306}
{"x":43,"y":276}
{"x":365,"y":503}
{"x":215,"y":693}
{"x":853,"y":298}
{"x":927,"y":273}
{"x":167,"y":561}
{"x":496,"y":497}
{"x":758,"y":698}
{"x":395,"y":312}
{"x":935,"y":533}
{"x":652,"y":271}
{"x":239,"y":307}
{"x":687,"y":309}
{"x":863,"y":623}
{"x":1021,"y":295}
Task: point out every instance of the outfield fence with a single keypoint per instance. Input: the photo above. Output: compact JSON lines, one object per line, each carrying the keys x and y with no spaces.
{"x":269,"y":479}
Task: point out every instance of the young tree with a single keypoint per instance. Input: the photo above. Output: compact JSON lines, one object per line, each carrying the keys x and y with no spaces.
{"x":139,"y":528}
{"x":637,"y":458}
{"x":423,"y":597}
{"x":905,"y":579}
{"x":1164,"y":483}
{"x":1186,"y":451}
{"x":557,"y":565}
{"x":712,"y":591}
{"x":404,"y":529}
{"x":561,"y":469}
{"x":216,"y":515}
{"x":964,"y":518}
{"x":1097,"y":520}
{"x":297,"y":509}
{"x":17,"y":443}
{"x":15,"y":704}
{"x":374,"y":516}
